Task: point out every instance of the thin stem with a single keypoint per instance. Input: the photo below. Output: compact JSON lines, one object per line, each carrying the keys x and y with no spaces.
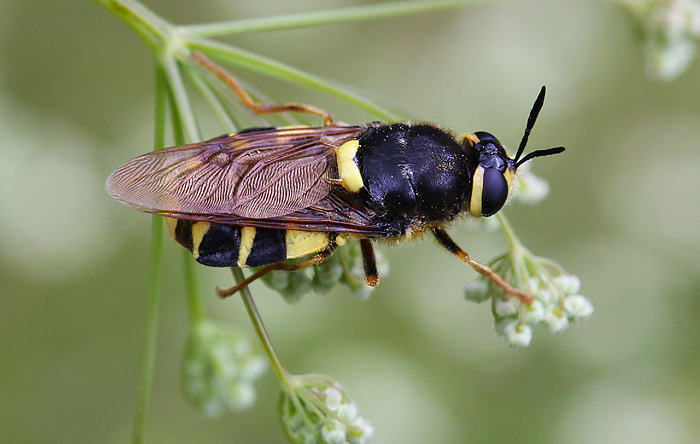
{"x":154,"y":286}
{"x":247,"y":297}
{"x":151,"y":27}
{"x":263,"y":65}
{"x":181,"y":101}
{"x":509,"y":233}
{"x":195,"y":307}
{"x":151,"y":332}
{"x":317,"y":18}
{"x":210,"y":96}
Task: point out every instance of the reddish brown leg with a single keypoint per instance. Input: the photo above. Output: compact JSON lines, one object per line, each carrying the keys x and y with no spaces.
{"x":317,"y":259}
{"x":369,"y":263}
{"x":259,"y":108}
{"x":446,"y":241}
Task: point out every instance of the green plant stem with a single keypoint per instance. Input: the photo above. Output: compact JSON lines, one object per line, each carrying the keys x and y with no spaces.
{"x":272,"y":68}
{"x":513,"y":241}
{"x":247,"y":297}
{"x":195,"y":307}
{"x":516,"y":250}
{"x":154,"y":285}
{"x":212,"y":99}
{"x":150,"y":332}
{"x":151,"y":27}
{"x":316,"y":18}
{"x":180,"y":99}
{"x":171,"y":44}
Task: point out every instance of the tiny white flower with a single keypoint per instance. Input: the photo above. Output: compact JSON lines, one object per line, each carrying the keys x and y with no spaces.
{"x":333,"y":398}
{"x":568,"y":283}
{"x":555,"y":320}
{"x":476,"y":290}
{"x":547,"y":296}
{"x":367,"y":431}
{"x":506,"y":307}
{"x":534,"y":284}
{"x":534,"y":313}
{"x":334,"y":432}
{"x":348,"y":412}
{"x":517,"y":334}
{"x":577,"y":307}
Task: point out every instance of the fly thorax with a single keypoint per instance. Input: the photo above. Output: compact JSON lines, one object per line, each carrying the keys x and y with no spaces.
{"x":412,"y":172}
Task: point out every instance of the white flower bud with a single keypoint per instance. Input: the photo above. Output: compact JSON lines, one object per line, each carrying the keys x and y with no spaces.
{"x":506,"y":307}
{"x":476,"y":291}
{"x":555,"y":320}
{"x":348,"y":412}
{"x":367,"y":431}
{"x":517,"y":334}
{"x":547,"y":296}
{"x":333,"y":398}
{"x":334,"y":433}
{"x":577,"y":307}
{"x":534,"y":313}
{"x":568,"y":283}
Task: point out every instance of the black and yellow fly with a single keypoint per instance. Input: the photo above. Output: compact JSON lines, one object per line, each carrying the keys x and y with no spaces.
{"x":265,"y":195}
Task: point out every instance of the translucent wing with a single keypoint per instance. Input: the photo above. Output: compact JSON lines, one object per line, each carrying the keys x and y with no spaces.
{"x":259,"y":174}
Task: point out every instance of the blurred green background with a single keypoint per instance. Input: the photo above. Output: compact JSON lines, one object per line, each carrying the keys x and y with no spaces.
{"x":76,"y":100}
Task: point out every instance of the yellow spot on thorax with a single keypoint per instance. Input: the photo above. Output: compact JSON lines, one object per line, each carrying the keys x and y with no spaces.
{"x":301,"y":243}
{"x":348,"y":172}
{"x":247,"y":239}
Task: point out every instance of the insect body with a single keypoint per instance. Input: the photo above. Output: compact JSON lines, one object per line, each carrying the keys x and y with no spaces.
{"x":265,"y":195}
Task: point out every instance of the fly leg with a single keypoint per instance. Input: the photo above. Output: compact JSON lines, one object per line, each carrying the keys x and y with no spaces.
{"x":446,"y":241}
{"x":260,"y":108}
{"x":369,"y":263}
{"x":315,"y":260}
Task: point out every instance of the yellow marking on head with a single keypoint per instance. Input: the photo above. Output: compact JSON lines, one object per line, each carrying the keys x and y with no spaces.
{"x":199,"y":229}
{"x":473,"y":140}
{"x":348,"y":172}
{"x":477,"y":192}
{"x":510,"y":179}
{"x":301,"y":243}
{"x":172,"y":225}
{"x":247,"y":239}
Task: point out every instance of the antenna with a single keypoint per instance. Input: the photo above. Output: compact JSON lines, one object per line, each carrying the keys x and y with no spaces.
{"x":534,"y":112}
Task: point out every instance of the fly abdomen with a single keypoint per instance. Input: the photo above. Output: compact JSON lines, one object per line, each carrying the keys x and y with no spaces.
{"x":221,"y":245}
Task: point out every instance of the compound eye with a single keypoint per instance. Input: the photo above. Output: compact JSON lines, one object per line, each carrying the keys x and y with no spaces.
{"x":494,"y":192}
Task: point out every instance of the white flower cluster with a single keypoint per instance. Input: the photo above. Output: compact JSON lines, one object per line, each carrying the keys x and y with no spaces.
{"x":219,"y":369}
{"x":670,"y":29}
{"x":314,"y":413}
{"x":343,"y":267}
{"x":556,"y":305}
